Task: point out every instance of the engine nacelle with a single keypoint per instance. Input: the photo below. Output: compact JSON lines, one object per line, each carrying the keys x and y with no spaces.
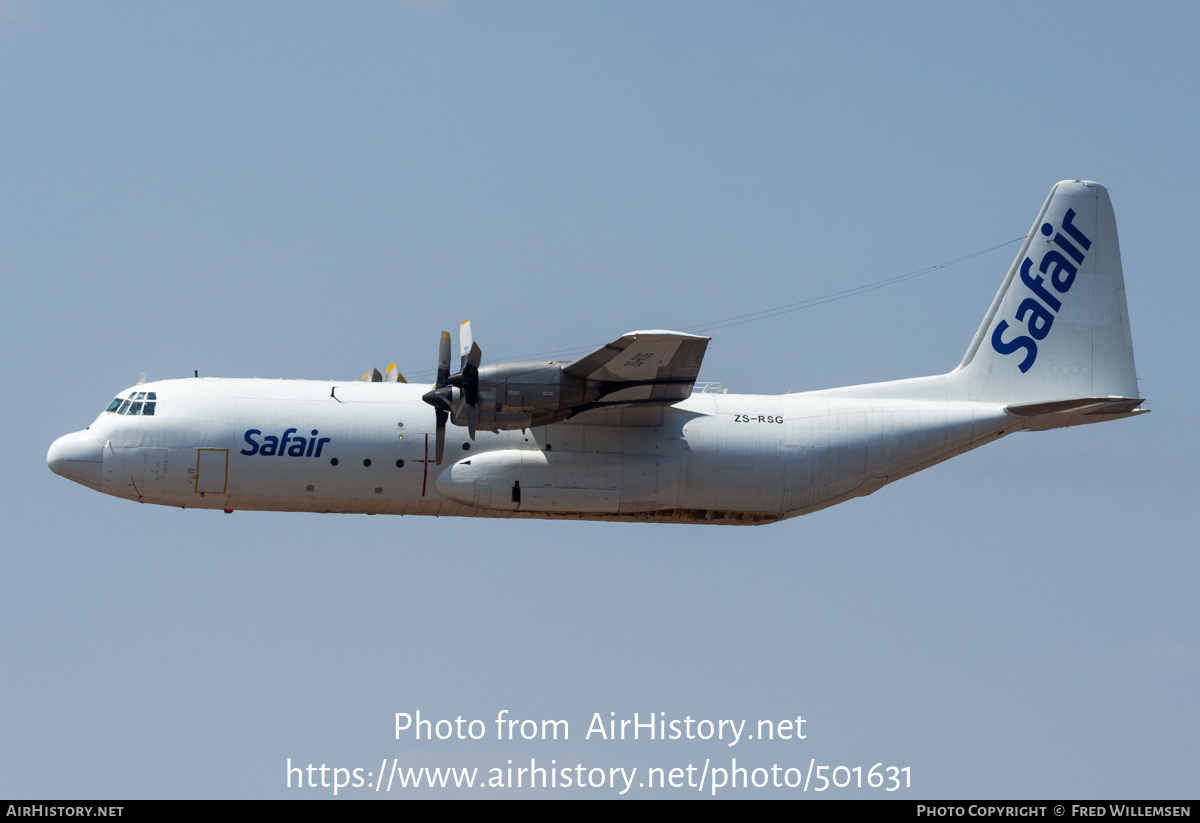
{"x":521,"y":395}
{"x":536,"y":481}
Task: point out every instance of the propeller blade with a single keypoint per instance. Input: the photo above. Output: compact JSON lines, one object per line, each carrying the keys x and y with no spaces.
{"x":468,"y":377}
{"x":443,"y":372}
{"x":472,"y":413}
{"x":441,"y":415}
{"x":465,"y":342}
{"x":366,"y":377}
{"x":376,"y":377}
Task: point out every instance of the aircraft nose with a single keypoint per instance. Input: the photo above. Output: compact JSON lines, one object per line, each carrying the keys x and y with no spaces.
{"x":79,"y":457}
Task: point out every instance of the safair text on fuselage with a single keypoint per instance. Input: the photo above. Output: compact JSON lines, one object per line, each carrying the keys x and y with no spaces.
{"x":285,"y":444}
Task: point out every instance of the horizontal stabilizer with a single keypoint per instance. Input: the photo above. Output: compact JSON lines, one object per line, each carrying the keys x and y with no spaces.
{"x":1057,"y":414}
{"x":1083,"y":405}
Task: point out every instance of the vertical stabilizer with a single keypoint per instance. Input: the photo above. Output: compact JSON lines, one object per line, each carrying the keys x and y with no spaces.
{"x":1059,"y":327}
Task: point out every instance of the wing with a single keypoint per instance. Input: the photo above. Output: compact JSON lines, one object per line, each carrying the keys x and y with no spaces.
{"x":649,"y":369}
{"x":643,"y":366}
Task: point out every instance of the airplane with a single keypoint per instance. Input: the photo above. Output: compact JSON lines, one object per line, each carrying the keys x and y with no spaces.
{"x":625,"y":433}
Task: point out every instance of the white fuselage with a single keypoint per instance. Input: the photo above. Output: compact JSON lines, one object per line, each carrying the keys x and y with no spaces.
{"x":298,"y":445}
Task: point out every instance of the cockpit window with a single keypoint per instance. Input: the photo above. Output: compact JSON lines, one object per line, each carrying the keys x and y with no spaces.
{"x":140,"y":403}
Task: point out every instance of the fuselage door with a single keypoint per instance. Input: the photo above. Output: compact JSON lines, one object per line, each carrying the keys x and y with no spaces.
{"x":212,"y":470}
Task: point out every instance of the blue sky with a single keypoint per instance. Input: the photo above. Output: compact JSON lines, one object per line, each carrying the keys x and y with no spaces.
{"x":310,"y":190}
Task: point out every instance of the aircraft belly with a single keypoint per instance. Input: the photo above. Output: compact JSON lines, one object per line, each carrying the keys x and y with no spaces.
{"x":837,"y":450}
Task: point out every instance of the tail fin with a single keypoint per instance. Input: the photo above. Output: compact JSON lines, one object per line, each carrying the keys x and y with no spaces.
{"x":1054,"y":347}
{"x":1058,"y":330}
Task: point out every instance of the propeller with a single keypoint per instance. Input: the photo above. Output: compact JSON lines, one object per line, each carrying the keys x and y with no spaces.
{"x":441,"y":396}
{"x":459,"y":393}
{"x":467,"y":378}
{"x":392,"y":375}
